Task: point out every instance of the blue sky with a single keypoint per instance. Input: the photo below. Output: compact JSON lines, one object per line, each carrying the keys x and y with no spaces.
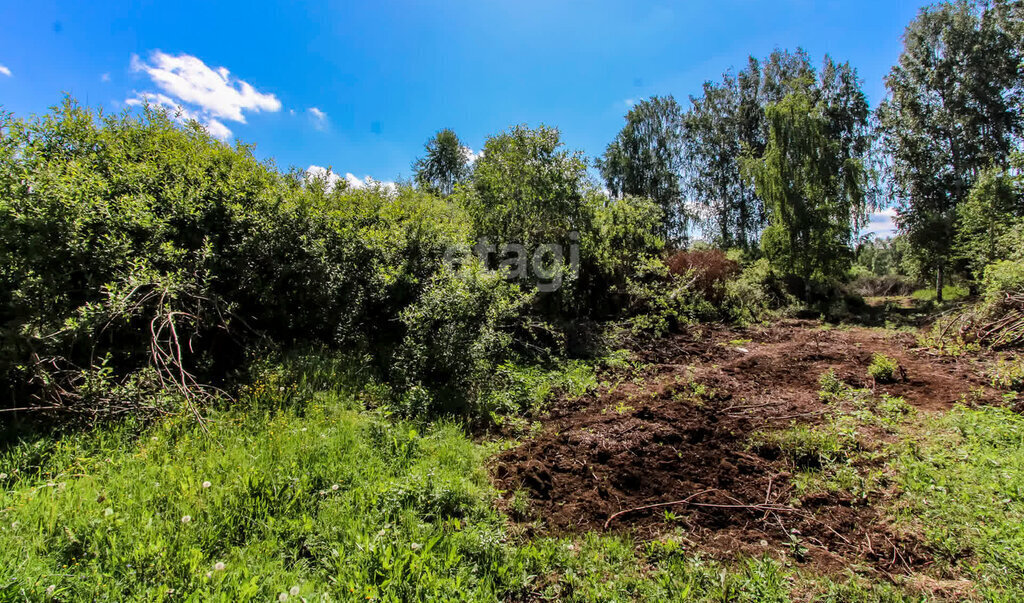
{"x":360,"y":86}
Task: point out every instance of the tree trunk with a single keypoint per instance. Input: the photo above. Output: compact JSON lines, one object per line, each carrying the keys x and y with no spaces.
{"x":938,"y":283}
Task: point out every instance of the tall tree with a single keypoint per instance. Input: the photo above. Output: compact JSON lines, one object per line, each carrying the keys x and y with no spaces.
{"x":953,"y":109}
{"x":445,"y":164}
{"x":809,"y":188}
{"x":645,"y":160}
{"x":526,"y":188}
{"x":728,"y":121}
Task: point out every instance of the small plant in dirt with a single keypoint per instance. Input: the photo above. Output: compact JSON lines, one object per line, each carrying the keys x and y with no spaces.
{"x":809,"y":446}
{"x":1008,"y":373}
{"x":831,"y":386}
{"x":883,"y":369}
{"x":893,"y":408}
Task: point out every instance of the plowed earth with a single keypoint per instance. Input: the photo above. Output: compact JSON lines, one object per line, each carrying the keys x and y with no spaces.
{"x":650,"y":440}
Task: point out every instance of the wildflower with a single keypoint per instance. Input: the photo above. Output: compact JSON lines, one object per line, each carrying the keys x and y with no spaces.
{"x":186,"y":518}
{"x":294,"y":591}
{"x":335,"y":487}
{"x":415,"y":546}
{"x":282,"y":597}
{"x":50,"y":589}
{"x":219,"y":566}
{"x":3,"y":476}
{"x":207,"y":484}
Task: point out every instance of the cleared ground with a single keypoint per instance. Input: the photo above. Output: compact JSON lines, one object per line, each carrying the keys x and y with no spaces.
{"x":685,"y":442}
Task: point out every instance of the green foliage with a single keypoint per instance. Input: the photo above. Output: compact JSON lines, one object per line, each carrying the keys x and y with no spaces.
{"x":526,"y":189}
{"x":660,"y":301}
{"x":457,"y":333}
{"x":809,"y":446}
{"x":113,"y":225}
{"x":949,"y":293}
{"x":952,"y":112}
{"x":1002,"y":277}
{"x":754,"y":293}
{"x":994,"y":207}
{"x":963,"y":486}
{"x":883,"y":369}
{"x":1008,"y":373}
{"x":728,"y":121}
{"x":831,"y":386}
{"x":645,"y":160}
{"x":811,"y":191}
{"x":445,"y":165}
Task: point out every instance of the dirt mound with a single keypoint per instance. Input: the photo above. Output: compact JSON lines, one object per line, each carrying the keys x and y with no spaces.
{"x":676,"y":441}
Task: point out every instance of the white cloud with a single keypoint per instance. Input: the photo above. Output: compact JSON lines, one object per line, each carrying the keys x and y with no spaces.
{"x":105,"y":78}
{"x":471,"y":157}
{"x":215,"y":127}
{"x":4,"y":70}
{"x":881,"y":223}
{"x":629,"y":102}
{"x":353,"y":181}
{"x":214,"y":91}
{"x":319,"y":118}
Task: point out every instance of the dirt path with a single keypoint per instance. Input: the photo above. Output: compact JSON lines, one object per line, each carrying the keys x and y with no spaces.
{"x":681,"y":432}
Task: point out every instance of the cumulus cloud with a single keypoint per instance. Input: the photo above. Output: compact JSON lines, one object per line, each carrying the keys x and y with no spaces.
{"x":351,"y":180}
{"x":194,"y":90}
{"x":215,"y":91}
{"x":319,"y":118}
{"x":4,"y":70}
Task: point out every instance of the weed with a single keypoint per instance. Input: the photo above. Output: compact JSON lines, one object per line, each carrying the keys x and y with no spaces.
{"x":883,"y":369}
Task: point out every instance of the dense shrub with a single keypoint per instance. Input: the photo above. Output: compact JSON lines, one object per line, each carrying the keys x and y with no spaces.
{"x":131,"y":243}
{"x":709,"y":268}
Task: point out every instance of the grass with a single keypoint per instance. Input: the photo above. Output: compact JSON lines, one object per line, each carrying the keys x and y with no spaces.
{"x":308,"y":496}
{"x":949,"y":293}
{"x":964,"y":488}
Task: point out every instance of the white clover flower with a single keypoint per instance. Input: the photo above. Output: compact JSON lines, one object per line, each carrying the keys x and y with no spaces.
{"x":282,"y":597}
{"x":50,"y":589}
{"x":335,"y":487}
{"x":207,"y":484}
{"x":294,"y":591}
{"x":186,"y":518}
{"x":415,"y":546}
{"x":219,"y":566}
{"x":3,"y":476}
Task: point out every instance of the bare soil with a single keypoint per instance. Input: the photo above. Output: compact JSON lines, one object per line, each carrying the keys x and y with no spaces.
{"x":650,"y":440}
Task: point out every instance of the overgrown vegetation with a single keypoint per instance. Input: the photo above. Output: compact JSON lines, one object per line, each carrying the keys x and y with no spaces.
{"x":223,"y":381}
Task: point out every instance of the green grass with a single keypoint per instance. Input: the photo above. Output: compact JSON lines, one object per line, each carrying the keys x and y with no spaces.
{"x":964,"y":487}
{"x":949,"y":293}
{"x":308,"y":493}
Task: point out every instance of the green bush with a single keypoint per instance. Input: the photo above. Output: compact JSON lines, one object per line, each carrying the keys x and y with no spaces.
{"x":883,"y":369}
{"x":463,"y":326}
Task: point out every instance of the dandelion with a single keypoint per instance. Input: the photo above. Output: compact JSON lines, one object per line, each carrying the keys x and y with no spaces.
{"x":50,"y":589}
{"x":206,"y":484}
{"x":282,"y":597}
{"x":415,"y":546}
{"x":335,"y":487}
{"x":186,"y":518}
{"x":3,"y":476}
{"x":294,"y":591}
{"x":219,"y":566}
